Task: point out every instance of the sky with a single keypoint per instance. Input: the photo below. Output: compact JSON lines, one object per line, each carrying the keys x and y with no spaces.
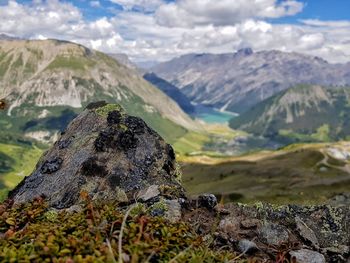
{"x":158,"y":30}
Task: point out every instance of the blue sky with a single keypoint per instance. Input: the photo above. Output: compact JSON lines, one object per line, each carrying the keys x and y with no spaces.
{"x":321,"y":9}
{"x":313,"y":9}
{"x":148,"y":30}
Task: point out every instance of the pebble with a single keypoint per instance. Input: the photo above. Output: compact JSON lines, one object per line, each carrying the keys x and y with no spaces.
{"x":307,"y":256}
{"x":247,"y":247}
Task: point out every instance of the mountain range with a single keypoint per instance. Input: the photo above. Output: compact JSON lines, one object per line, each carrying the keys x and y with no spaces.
{"x":238,"y":81}
{"x":301,"y":113}
{"x":46,"y":82}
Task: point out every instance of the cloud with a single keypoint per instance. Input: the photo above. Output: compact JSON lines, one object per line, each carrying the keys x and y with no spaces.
{"x":188,"y":13}
{"x":319,"y":23}
{"x":193,"y":26}
{"x":144,"y":5}
{"x":95,"y":4}
{"x":37,"y":18}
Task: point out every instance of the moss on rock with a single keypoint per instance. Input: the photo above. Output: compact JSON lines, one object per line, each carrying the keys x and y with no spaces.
{"x":106,"y":109}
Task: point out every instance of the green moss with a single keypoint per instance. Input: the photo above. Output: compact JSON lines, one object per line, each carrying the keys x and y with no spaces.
{"x":103,"y":111}
{"x":92,"y":235}
{"x":161,"y":205}
{"x":51,"y":215}
{"x":138,"y":209}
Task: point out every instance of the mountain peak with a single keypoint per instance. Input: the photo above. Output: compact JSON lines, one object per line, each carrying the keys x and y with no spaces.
{"x":245,"y":51}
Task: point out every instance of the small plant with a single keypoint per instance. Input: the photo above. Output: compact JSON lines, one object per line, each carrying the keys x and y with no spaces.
{"x":33,"y":232}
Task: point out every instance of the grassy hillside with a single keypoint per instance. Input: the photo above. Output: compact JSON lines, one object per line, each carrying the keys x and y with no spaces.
{"x":300,"y":114}
{"x":301,"y":174}
{"x":16,"y":161}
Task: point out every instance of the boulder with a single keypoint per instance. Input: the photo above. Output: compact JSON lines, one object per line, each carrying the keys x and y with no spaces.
{"x":107,"y":154}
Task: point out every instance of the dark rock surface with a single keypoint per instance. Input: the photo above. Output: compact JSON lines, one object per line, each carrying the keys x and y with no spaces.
{"x":105,"y":153}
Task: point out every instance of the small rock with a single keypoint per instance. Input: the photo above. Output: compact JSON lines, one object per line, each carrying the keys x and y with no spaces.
{"x":307,"y":256}
{"x":306,"y":233}
{"x":173,"y":212}
{"x":247,"y":247}
{"x":250,"y":223}
{"x":149,"y":193}
{"x":229,"y":226}
{"x":157,"y":212}
{"x":274,"y":234}
{"x":74,"y":209}
{"x":121,"y":196}
{"x":207,"y":200}
{"x":323,"y":169}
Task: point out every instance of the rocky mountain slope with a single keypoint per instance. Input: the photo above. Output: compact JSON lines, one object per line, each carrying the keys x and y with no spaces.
{"x":307,"y":113}
{"x":109,"y":188}
{"x":124,"y":59}
{"x":237,"y":81}
{"x":172,"y":91}
{"x":45,"y":84}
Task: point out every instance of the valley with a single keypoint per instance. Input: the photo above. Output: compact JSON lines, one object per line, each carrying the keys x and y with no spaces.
{"x":241,"y":157}
{"x":297,"y":174}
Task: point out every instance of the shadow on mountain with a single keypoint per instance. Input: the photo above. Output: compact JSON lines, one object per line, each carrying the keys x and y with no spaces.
{"x":51,"y":123}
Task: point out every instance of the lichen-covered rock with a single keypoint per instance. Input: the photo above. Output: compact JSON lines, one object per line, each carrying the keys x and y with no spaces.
{"x":306,"y":233}
{"x":307,"y":256}
{"x":274,"y":234}
{"x":106,"y":153}
{"x":276,"y":229}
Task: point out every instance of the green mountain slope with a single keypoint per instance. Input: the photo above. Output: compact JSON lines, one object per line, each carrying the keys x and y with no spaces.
{"x":300,"y":174}
{"x":302,"y":113}
{"x":46,"y":83}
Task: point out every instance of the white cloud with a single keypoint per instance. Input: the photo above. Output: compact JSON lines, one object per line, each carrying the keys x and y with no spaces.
{"x":187,"y":13}
{"x":312,"y":41}
{"x":319,"y":23}
{"x":192,"y":26}
{"x":37,"y":18}
{"x":145,"y":5}
{"x":95,"y":4}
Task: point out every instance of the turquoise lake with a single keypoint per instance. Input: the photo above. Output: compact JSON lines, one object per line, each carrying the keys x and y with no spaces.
{"x":211,"y":116}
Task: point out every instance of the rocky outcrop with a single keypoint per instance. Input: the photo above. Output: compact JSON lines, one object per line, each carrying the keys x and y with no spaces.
{"x":107,"y":154}
{"x":267,"y":233}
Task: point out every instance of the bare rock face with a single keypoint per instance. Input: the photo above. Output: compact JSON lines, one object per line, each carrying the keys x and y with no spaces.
{"x":107,"y":154}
